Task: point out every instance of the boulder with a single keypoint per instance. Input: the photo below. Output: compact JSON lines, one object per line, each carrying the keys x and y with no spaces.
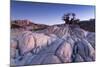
{"x":13,"y":43}
{"x":23,"y":59}
{"x":26,"y":42}
{"x":12,"y":52}
{"x":64,"y":52}
{"x":55,"y":44}
{"x":43,"y":41}
{"x":91,"y":38}
{"x":78,"y":58}
{"x":51,"y":59}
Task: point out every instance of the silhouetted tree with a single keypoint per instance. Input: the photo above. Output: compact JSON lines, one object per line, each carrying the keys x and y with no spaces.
{"x":66,"y":18}
{"x":69,"y":20}
{"x":73,"y":14}
{"x":72,"y":21}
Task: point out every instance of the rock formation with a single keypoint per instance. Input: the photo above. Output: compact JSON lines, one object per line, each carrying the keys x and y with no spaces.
{"x":55,"y":44}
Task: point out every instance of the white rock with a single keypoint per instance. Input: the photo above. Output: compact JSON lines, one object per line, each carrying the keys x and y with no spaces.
{"x":42,"y":41}
{"x":64,"y":52}
{"x":12,"y":62}
{"x":82,"y":49}
{"x":13,"y":44}
{"x":24,"y":59}
{"x":51,"y":59}
{"x":37,"y":59}
{"x":12,"y":52}
{"x":91,"y":39}
{"x":91,"y":49}
{"x":78,"y":58}
{"x":26,"y":42}
{"x":56,"y":44}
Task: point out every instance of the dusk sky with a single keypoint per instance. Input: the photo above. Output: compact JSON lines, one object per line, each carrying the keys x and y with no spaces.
{"x":48,"y":13}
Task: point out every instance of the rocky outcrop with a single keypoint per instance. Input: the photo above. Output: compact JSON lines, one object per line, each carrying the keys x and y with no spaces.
{"x":26,"y":25}
{"x":64,"y":52}
{"x":88,"y":25}
{"x":55,"y":44}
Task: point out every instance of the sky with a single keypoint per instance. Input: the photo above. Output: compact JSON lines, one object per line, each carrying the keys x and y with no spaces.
{"x":46,"y":13}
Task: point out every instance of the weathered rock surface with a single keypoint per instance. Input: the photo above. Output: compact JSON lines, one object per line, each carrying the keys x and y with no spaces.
{"x":56,"y":44}
{"x":64,"y":52}
{"x":51,"y":59}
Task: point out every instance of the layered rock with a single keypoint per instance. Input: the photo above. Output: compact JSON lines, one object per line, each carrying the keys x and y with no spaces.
{"x":55,"y":44}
